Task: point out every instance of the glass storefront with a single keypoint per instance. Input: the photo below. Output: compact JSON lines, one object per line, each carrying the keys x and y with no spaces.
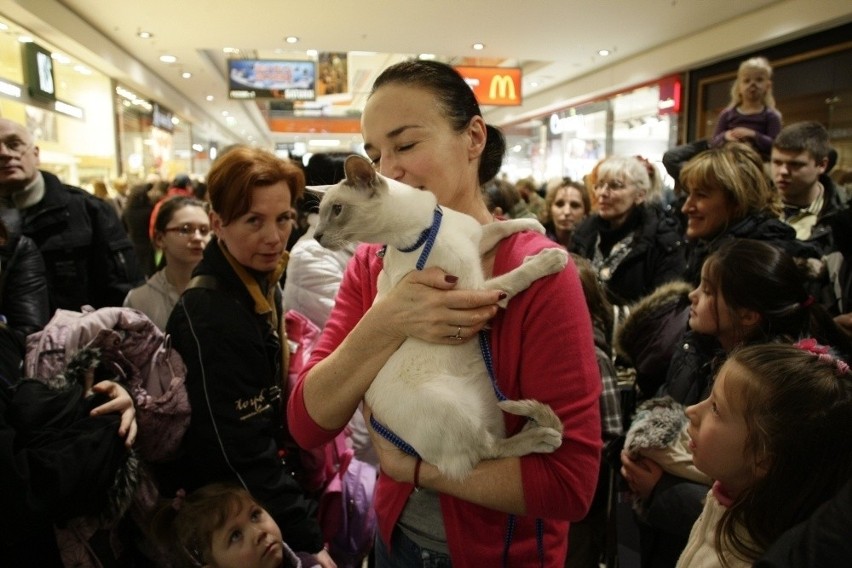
{"x":151,"y":139}
{"x":568,"y":143}
{"x":75,"y":136}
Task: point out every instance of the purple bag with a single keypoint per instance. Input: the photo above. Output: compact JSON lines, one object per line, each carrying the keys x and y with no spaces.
{"x":346,"y":512}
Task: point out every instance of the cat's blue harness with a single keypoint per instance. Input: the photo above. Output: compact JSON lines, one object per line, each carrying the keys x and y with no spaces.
{"x":427,"y":241}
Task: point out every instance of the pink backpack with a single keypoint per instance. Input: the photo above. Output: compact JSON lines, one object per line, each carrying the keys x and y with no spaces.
{"x":129,"y":347}
{"x":346,"y":483}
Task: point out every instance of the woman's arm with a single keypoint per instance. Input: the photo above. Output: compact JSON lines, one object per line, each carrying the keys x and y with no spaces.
{"x":543,"y":350}
{"x":359,"y":338}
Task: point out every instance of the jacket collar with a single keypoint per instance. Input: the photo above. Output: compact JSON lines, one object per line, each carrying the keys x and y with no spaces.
{"x":264,"y":302}
{"x":30,"y":195}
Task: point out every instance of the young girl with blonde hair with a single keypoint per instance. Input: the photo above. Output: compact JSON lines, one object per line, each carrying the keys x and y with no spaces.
{"x":751,"y":117}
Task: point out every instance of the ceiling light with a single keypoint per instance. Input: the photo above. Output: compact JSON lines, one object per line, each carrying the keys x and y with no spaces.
{"x":478,"y":46}
{"x":209,"y":97}
{"x":186,"y":74}
{"x":60,"y":58}
{"x":3,"y":27}
{"x":168,"y":58}
{"x":426,"y":56}
{"x":311,"y":52}
{"x":291,"y":39}
{"x":25,"y":39}
{"x":144,"y":35}
{"x":82,"y":69}
{"x":230,"y":50}
{"x":603,"y":52}
{"x":225,"y":113}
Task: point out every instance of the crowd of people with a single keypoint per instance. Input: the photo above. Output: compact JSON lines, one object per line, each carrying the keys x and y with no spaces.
{"x":729,"y":296}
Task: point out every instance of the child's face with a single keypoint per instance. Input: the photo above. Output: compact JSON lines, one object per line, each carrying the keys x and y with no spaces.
{"x":754,"y":84}
{"x":718,"y":431}
{"x":250,"y":538}
{"x":709,"y":313}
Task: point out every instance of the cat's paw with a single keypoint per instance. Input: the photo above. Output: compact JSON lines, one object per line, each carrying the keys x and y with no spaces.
{"x":544,"y":440}
{"x":548,"y":261}
{"x":534,"y":439}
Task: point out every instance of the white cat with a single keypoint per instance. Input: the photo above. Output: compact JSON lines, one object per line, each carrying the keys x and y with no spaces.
{"x":439,"y":399}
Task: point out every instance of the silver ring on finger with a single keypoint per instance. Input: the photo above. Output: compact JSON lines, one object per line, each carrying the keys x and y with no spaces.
{"x":458,"y":335}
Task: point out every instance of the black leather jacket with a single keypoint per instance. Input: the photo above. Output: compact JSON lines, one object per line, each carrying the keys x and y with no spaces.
{"x":23,"y":283}
{"x":237,"y":431}
{"x":87,"y":254}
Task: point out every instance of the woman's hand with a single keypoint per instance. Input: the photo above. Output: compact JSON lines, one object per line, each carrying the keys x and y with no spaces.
{"x":324,"y":559}
{"x":641,"y":475}
{"x":120,"y":402}
{"x":425,"y":305}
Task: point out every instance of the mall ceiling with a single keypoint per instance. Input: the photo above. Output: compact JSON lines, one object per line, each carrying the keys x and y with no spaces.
{"x":554,"y":41}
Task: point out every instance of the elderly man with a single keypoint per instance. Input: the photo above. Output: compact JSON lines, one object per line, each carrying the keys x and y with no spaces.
{"x":88,"y":257}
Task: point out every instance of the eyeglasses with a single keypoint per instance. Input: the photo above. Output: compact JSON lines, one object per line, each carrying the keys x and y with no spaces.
{"x":15,"y":145}
{"x":189,"y":230}
{"x":612,"y":185}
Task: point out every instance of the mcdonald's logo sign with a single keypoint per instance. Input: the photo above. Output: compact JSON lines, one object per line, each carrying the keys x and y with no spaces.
{"x":494,"y":85}
{"x":502,"y":87}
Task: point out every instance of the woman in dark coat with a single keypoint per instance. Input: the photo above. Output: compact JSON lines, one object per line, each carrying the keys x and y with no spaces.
{"x":633,"y":246}
{"x":228,"y":326}
{"x":729,"y":196}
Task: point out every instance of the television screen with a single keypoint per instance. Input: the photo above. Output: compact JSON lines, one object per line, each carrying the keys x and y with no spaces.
{"x":271,"y":79}
{"x":39,"y":68}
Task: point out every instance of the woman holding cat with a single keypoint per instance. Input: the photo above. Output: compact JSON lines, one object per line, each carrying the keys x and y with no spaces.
{"x":423,"y":127}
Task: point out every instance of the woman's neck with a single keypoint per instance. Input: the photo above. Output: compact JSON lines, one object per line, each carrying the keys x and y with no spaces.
{"x":472,"y":204}
{"x":178,"y":275}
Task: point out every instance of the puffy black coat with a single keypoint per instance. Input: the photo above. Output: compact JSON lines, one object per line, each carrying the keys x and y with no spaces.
{"x":656,"y":255}
{"x":760,"y":227}
{"x":87,"y":254}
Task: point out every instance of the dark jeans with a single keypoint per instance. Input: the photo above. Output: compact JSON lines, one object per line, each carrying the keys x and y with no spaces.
{"x":407,"y":554}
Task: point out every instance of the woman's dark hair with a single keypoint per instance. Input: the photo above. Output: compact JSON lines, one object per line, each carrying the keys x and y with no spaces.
{"x":456,"y":99}
{"x":757,"y":276}
{"x":502,"y":194}
{"x":172,"y":204}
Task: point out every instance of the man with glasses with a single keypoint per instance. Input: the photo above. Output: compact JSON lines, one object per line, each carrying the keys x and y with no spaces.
{"x":87,"y":253}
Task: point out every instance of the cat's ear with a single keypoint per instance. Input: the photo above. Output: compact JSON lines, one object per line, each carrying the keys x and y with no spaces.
{"x":360,"y":173}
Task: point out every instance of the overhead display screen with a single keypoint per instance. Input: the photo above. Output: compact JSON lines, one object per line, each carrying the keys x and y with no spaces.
{"x":271,"y":79}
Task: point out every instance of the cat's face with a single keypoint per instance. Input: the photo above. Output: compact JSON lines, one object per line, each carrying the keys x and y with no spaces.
{"x":350,"y":209}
